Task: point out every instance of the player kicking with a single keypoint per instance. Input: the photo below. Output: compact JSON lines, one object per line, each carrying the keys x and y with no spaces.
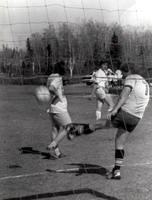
{"x":125,"y":115}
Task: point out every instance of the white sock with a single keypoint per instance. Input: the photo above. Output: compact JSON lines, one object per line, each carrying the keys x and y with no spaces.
{"x":98,"y":115}
{"x":57,"y":151}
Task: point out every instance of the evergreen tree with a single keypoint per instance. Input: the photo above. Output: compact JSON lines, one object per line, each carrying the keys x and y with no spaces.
{"x":29,"y":51}
{"x":49,"y":59}
{"x":142,"y":55}
{"x":115,"y":53}
{"x":96,"y":53}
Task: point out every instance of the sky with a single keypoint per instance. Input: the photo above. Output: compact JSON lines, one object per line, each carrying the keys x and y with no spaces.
{"x":20,"y":18}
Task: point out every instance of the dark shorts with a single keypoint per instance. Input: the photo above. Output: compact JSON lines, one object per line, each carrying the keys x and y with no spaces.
{"x":124,"y":120}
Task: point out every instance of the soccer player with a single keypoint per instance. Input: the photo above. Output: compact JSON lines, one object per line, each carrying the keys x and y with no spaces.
{"x":111,"y":76}
{"x":99,"y":89}
{"x":60,"y":118}
{"x":119,"y":77}
{"x":125,"y":115}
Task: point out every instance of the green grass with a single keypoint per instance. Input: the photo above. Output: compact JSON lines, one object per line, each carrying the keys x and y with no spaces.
{"x":25,"y":123}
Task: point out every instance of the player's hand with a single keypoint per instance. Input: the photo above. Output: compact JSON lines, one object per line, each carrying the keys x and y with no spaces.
{"x":56,"y":100}
{"x":109,"y":116}
{"x":90,"y":98}
{"x":111,"y":113}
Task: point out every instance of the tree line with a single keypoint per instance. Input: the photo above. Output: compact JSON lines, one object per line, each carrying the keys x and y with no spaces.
{"x":80,"y":46}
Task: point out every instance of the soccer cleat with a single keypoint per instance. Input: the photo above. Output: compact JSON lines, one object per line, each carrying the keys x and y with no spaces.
{"x":115,"y":174}
{"x":76,"y":130}
{"x":52,"y":152}
{"x":62,"y":155}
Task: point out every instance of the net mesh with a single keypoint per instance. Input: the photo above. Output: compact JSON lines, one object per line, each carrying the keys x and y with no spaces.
{"x":37,"y":34}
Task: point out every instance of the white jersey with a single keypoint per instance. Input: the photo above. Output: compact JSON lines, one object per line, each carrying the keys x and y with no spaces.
{"x":100,"y":78}
{"x":139,"y":96}
{"x":119,"y":74}
{"x":56,"y":81}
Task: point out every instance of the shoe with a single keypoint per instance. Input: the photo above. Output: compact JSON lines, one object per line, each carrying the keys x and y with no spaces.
{"x":52,"y":152}
{"x":62,"y":155}
{"x":70,"y":136}
{"x":74,"y":132}
{"x":115,"y":174}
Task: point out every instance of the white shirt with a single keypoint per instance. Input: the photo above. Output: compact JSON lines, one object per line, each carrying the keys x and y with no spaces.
{"x":119,"y":74}
{"x":56,"y":81}
{"x":100,"y":78}
{"x":139,"y":96}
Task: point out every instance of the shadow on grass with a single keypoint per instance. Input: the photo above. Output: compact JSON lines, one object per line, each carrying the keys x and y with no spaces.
{"x":66,"y":193}
{"x":30,"y":150}
{"x":82,"y":169}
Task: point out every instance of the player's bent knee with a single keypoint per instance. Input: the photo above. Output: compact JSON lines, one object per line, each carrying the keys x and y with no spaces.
{"x":69,"y":127}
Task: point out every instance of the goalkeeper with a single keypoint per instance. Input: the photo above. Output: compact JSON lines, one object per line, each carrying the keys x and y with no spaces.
{"x":125,"y":115}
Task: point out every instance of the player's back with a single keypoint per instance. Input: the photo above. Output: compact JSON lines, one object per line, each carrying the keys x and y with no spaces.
{"x":139,"y":96}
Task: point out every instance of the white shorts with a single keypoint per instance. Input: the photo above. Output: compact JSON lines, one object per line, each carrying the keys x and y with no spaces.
{"x":100,"y":93}
{"x":60,"y":119}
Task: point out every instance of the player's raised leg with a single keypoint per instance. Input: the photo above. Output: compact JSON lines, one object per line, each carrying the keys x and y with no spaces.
{"x":89,"y":128}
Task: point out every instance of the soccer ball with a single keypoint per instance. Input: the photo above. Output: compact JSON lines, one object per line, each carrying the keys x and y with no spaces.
{"x":42,"y":94}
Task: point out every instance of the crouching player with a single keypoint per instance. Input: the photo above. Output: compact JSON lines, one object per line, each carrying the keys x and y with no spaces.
{"x":125,"y":115}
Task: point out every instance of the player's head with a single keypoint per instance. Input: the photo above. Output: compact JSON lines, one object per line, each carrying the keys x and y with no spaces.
{"x":128,"y":68}
{"x":59,"y":68}
{"x":103,"y":64}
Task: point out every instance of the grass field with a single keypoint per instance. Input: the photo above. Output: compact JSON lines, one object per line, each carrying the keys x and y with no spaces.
{"x":28,"y":173}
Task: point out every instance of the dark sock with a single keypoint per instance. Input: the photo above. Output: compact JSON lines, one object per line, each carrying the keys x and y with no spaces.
{"x":87,"y":129}
{"x":116,"y":168}
{"x":119,"y":155}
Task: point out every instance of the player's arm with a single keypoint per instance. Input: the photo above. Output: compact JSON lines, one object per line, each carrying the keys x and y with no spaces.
{"x":54,"y":91}
{"x":121,"y":100}
{"x":109,"y":71}
{"x":93,"y":90}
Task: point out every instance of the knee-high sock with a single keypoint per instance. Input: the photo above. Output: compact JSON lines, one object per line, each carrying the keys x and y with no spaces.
{"x":119,"y":156}
{"x":98,"y":115}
